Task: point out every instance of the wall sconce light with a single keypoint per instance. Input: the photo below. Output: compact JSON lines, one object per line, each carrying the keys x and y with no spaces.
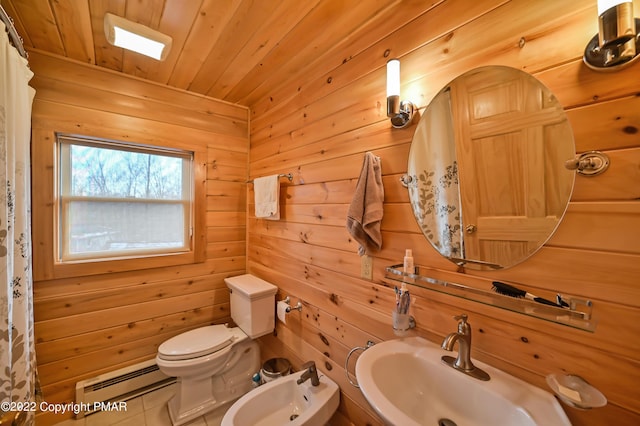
{"x":400,"y":112}
{"x":618,"y":40}
{"x":130,"y":35}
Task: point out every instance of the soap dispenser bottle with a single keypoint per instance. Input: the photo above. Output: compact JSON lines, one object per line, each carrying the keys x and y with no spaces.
{"x":407,"y":264}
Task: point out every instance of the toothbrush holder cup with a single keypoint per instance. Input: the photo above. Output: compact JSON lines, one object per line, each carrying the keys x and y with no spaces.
{"x":402,"y":323}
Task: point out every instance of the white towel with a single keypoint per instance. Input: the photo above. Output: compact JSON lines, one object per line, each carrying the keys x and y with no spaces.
{"x":366,"y":209}
{"x":267,"y":197}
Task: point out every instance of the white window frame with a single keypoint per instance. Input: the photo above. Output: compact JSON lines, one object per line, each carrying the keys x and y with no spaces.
{"x":128,"y":259}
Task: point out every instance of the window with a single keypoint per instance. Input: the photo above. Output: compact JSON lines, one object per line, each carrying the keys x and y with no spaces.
{"x":120,"y":200}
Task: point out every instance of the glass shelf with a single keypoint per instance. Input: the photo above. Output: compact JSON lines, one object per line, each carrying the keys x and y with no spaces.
{"x":571,"y":316}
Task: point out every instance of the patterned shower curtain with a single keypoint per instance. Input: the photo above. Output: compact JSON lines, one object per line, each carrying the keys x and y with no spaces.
{"x":17,"y":347}
{"x":435,"y":191}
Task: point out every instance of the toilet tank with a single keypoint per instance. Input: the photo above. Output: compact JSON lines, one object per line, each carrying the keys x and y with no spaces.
{"x":253,"y":304}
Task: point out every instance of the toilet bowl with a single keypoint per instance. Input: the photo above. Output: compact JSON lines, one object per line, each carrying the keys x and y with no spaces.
{"x":214,"y":364}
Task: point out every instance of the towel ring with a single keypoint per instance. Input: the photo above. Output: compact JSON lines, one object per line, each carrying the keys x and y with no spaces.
{"x":346,"y":363}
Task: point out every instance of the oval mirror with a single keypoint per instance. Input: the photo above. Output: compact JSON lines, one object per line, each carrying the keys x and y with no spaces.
{"x":488,"y":185}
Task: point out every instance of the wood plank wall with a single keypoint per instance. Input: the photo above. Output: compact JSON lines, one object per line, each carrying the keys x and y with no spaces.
{"x":89,"y":325}
{"x":318,"y":124}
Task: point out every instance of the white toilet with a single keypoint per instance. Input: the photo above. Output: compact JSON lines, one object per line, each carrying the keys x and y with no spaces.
{"x":214,"y":364}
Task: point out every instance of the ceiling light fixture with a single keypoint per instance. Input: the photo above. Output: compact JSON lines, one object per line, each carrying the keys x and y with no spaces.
{"x":130,"y":35}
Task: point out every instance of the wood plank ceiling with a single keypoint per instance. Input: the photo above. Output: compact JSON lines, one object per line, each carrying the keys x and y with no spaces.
{"x":235,"y":50}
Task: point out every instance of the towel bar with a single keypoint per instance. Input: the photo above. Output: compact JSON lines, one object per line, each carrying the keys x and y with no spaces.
{"x":287,"y":175}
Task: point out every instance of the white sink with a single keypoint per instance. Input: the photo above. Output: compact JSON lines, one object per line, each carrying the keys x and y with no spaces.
{"x":407,"y":384}
{"x":284,"y":402}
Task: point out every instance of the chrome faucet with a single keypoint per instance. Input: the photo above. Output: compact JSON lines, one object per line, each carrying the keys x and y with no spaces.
{"x":463,"y":361}
{"x":310,"y":373}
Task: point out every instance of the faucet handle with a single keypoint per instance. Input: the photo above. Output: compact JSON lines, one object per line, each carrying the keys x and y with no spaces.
{"x":463,"y":325}
{"x":309,"y":365}
{"x":462,"y":318}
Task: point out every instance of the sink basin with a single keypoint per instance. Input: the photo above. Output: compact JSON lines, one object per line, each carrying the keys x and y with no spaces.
{"x":283,"y":401}
{"x":406,"y":383}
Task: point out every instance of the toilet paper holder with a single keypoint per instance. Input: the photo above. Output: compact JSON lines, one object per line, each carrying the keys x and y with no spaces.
{"x":298,"y":307}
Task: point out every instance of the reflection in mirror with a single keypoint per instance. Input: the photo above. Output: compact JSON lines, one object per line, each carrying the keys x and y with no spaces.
{"x":488,"y":183}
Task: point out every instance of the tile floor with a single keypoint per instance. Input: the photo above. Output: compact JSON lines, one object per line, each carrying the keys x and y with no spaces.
{"x":146,"y":410}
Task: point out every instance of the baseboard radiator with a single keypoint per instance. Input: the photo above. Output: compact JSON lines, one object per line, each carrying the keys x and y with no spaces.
{"x":119,"y":385}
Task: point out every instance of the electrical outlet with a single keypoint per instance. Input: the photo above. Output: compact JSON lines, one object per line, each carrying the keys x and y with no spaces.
{"x":366,"y":267}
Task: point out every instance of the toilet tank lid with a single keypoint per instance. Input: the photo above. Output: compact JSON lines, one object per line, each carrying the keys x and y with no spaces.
{"x":251,"y":286}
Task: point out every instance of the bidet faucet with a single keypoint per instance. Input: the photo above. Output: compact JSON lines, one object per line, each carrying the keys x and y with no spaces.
{"x":310,"y":373}
{"x":463,"y":361}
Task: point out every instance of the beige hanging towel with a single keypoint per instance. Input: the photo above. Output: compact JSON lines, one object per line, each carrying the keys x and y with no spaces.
{"x":267,"y":197}
{"x":366,"y":209}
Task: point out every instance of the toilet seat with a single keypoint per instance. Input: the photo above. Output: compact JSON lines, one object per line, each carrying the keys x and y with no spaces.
{"x":197,"y":343}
